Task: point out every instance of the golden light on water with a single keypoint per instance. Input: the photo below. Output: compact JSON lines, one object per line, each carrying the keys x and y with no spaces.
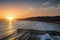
{"x":10,"y":26}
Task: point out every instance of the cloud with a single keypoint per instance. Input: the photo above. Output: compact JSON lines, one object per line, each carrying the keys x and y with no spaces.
{"x":50,"y":11}
{"x":46,"y":3}
{"x":51,"y":3}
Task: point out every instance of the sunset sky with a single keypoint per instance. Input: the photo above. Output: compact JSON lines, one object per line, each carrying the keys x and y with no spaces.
{"x":29,"y":8}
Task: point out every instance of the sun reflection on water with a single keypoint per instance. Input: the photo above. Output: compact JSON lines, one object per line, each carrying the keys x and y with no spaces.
{"x":11,"y":30}
{"x":10,"y":27}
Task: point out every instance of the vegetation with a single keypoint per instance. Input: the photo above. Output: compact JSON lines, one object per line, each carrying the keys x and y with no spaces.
{"x":43,"y":18}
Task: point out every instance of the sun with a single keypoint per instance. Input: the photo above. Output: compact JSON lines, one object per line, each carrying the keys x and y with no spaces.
{"x":10,"y":18}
